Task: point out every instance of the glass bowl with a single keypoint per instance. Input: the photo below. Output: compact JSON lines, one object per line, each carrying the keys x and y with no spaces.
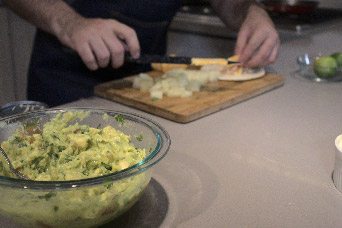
{"x":21,"y":107}
{"x":306,"y":69}
{"x":86,"y":202}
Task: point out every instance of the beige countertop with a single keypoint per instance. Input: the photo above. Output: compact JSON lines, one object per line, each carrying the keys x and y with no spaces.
{"x":266,"y":162}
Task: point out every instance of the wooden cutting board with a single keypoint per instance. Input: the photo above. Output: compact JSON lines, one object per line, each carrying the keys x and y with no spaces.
{"x":213,"y":96}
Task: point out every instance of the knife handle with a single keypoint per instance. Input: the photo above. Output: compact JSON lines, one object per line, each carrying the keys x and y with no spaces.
{"x":148,"y":59}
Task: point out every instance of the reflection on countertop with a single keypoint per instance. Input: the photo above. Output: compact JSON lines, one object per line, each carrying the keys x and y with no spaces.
{"x":148,"y":212}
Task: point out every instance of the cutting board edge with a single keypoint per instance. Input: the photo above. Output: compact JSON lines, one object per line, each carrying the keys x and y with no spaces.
{"x":145,"y":107}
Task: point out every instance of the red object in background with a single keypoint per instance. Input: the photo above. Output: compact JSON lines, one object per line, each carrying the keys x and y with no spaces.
{"x":290,"y":6}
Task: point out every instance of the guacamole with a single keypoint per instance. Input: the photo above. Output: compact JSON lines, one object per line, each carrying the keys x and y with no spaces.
{"x":62,"y":152}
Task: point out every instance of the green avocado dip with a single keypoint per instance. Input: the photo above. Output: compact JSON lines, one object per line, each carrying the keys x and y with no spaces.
{"x":61,"y":152}
{"x":64,"y":150}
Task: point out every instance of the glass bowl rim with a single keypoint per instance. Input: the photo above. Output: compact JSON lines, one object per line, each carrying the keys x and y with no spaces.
{"x":311,"y":57}
{"x":161,"y":149}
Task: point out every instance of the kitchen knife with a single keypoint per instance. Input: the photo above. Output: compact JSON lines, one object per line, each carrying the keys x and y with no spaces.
{"x":148,"y":59}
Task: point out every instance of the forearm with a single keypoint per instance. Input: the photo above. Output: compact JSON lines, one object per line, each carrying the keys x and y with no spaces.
{"x":48,"y":15}
{"x":234,"y":12}
{"x":97,"y":41}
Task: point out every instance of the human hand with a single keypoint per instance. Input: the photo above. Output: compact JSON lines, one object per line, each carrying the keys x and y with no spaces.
{"x":258,"y":41}
{"x":100,"y":41}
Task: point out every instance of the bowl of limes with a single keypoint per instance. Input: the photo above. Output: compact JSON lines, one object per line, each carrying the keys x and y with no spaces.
{"x":321,"y":67}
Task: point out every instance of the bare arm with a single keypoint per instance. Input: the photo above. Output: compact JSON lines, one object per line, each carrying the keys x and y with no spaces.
{"x":97,"y":41}
{"x":232,"y":12}
{"x":258,"y":41}
{"x":48,"y":15}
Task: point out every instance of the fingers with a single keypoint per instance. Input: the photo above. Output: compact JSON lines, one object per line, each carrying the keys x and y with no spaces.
{"x":87,"y":56}
{"x":100,"y":51}
{"x":101,"y":41}
{"x":274,"y":53}
{"x":117,"y":51}
{"x":258,"y":47}
{"x":94,"y":53}
{"x":253,"y":44}
{"x":258,"y":41}
{"x":241,"y":41}
{"x":265,"y":54}
{"x":129,"y":36}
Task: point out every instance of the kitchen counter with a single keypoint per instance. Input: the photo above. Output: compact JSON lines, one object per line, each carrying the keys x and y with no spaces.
{"x":266,"y":162}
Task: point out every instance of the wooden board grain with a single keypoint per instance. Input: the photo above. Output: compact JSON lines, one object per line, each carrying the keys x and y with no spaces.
{"x":213,"y":96}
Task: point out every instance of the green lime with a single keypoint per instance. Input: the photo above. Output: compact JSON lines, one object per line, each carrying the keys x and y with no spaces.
{"x":338,"y":57}
{"x":325,"y":66}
